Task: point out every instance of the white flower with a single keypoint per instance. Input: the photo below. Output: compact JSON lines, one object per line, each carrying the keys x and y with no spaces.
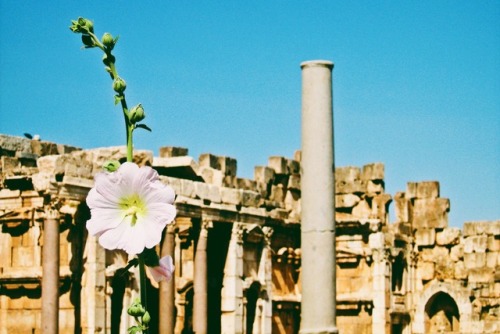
{"x":130,"y":208}
{"x":164,"y":270}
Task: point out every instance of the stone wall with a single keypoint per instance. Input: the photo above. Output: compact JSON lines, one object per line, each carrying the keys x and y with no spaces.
{"x":415,"y":275}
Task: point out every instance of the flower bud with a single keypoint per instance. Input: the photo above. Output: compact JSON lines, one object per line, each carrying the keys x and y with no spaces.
{"x":137,"y":114}
{"x":108,"y":41}
{"x":119,"y":85}
{"x":111,"y":165}
{"x":146,"y":318}
{"x":86,"y":24}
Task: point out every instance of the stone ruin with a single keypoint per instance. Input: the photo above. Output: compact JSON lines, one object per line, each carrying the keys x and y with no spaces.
{"x":236,"y":245}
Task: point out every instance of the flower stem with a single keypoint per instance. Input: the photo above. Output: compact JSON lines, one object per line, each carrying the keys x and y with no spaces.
{"x":142,"y":276}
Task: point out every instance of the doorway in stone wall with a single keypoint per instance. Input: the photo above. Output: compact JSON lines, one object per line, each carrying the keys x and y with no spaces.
{"x":441,"y":314}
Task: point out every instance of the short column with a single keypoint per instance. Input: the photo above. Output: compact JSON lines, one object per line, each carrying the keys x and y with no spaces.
{"x":200,"y":281}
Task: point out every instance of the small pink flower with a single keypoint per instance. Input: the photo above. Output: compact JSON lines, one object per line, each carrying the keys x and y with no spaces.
{"x":164,"y":270}
{"x":130,"y":208}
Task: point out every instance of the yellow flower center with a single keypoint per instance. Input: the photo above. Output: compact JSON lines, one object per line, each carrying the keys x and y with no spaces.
{"x":133,"y":205}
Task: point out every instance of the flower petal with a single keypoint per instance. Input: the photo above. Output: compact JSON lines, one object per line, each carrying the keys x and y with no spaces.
{"x":164,"y":270}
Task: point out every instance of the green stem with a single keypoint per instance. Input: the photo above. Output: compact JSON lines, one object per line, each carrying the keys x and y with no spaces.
{"x":142,"y":276}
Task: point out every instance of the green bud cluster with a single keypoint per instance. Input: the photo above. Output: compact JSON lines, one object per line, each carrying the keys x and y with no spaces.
{"x":137,"y":114}
{"x":136,"y":309}
{"x":119,"y":85}
{"x":111,"y":165}
{"x":81,"y":25}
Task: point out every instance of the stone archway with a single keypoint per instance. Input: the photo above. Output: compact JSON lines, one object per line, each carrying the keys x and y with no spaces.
{"x":441,"y":304}
{"x":441,"y":314}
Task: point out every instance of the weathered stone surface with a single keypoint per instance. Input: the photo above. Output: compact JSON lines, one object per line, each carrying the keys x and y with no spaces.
{"x":482,"y":227}
{"x":373,"y":171}
{"x":401,"y":207}
{"x":362,"y":210}
{"x":431,"y":213}
{"x":346,"y":200}
{"x":294,"y":182}
{"x":448,"y":236}
{"x":474,"y":260}
{"x":279,"y":164}
{"x":457,"y":252}
{"x":172,"y":151}
{"x":348,"y":180}
{"x":263,"y":174}
{"x":293,"y":166}
{"x":425,"y":270}
{"x":475,"y":243}
{"x":231,"y":195}
{"x":459,"y":270}
{"x":425,"y":237}
{"x":422,"y":190}
{"x":211,"y":175}
{"x":481,"y":275}
{"x":250,"y":198}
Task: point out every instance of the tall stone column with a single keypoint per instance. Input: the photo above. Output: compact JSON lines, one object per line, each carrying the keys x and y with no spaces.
{"x":167,"y":289}
{"x":318,"y":306}
{"x":200,"y":302}
{"x":232,"y":286}
{"x":50,"y":273}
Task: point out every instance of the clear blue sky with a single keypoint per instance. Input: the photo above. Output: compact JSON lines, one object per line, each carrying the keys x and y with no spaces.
{"x":416,"y":83}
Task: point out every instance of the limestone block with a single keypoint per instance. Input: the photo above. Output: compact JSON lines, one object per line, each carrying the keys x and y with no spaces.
{"x":481,"y":275}
{"x":102,"y":154}
{"x":244,"y":183}
{"x":374,"y":186}
{"x":279,"y":164}
{"x":9,"y":164}
{"x":10,"y":203}
{"x":459,"y":270}
{"x":211,"y":175}
{"x":346,"y":200}
{"x":78,"y":168}
{"x":482,"y":227}
{"x":278,"y":193}
{"x":376,"y":240}
{"x":362,"y":210}
{"x":475,"y":243}
{"x":493,"y":259}
{"x":52,"y":164}
{"x":263,"y":174}
{"x":457,"y":252}
{"x":294,"y":182}
{"x":208,"y":192}
{"x":23,"y":256}
{"x":425,"y":270}
{"x":374,"y":171}
{"x":227,"y":165}
{"x":425,"y":237}
{"x":348,"y":180}
{"x":426,"y":254}
{"x":293,"y":166}
{"x":493,"y":243}
{"x":297,"y":156}
{"x":172,"y":151}
{"x":431,"y":213}
{"x":422,"y":190}
{"x":250,"y":198}
{"x":231,"y":195}
{"x":292,"y":200}
{"x":448,"y":236}
{"x":474,"y":260}
{"x":15,"y":144}
{"x":380,"y":206}
{"x":401,"y":207}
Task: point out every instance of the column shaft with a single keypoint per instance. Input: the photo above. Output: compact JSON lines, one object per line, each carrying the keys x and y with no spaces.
{"x":167,"y":289}
{"x":318,"y":201}
{"x":50,"y":275}
{"x":200,"y":283}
